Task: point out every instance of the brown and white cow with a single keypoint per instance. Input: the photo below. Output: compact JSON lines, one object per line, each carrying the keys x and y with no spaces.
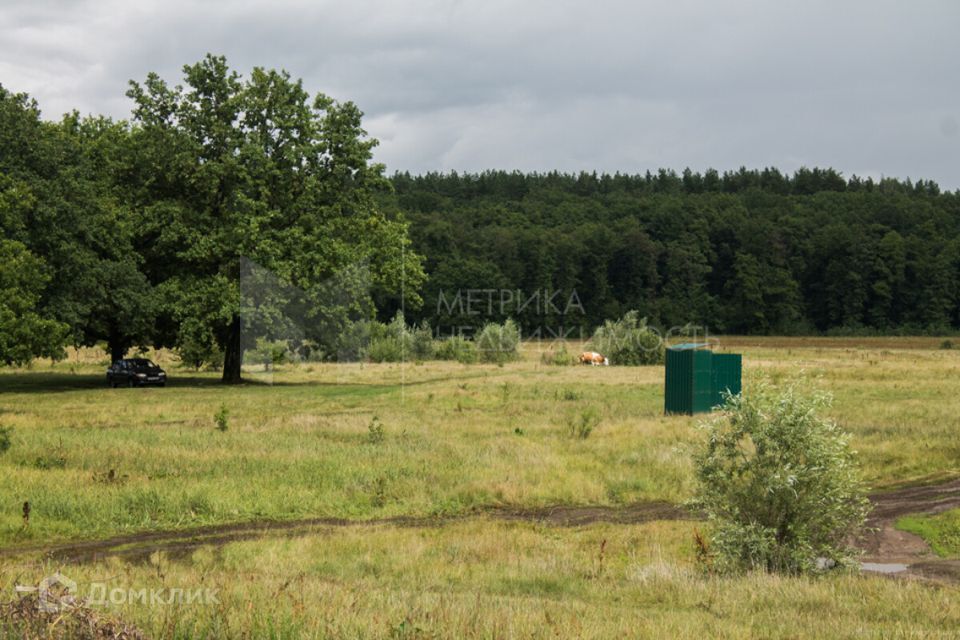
{"x":593,"y":358}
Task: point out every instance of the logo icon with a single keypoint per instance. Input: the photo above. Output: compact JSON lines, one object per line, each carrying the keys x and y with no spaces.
{"x":55,"y":593}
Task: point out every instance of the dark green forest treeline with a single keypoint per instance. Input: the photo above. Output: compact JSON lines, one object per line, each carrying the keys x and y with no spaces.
{"x":738,"y":252}
{"x":234,"y":208}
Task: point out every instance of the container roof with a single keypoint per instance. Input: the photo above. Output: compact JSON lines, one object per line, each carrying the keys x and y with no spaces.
{"x":688,"y":345}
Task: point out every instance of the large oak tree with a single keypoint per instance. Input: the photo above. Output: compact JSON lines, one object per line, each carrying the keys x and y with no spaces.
{"x":242,"y":177}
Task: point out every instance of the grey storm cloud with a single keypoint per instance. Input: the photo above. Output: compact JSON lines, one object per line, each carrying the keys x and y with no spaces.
{"x":868,"y":87}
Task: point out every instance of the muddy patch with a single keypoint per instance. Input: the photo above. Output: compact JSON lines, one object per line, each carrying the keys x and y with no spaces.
{"x":887,"y":548}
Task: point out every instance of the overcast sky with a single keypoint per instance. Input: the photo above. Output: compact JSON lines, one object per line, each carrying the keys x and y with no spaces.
{"x":868,"y":87}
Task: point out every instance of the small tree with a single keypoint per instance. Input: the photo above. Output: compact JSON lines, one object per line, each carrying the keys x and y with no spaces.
{"x":499,"y":342}
{"x":629,"y":341}
{"x":270,"y":353}
{"x":778,"y":483}
{"x":457,"y":348}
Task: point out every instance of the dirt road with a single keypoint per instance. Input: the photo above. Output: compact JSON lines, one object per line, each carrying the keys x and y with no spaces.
{"x":884,"y":546}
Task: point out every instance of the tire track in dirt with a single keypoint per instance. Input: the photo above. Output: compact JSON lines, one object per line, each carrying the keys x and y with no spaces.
{"x":180,"y":543}
{"x":882,"y":542}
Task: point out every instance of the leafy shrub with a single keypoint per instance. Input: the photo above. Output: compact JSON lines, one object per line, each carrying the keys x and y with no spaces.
{"x":499,"y":342}
{"x":6,"y":439}
{"x":629,"y":341}
{"x":375,"y":431}
{"x":778,"y":483}
{"x":386,"y":349}
{"x":582,"y":424}
{"x":946,"y":344}
{"x":221,"y":418}
{"x":270,"y":353}
{"x":396,"y":342}
{"x":197,"y":348}
{"x":559,"y":357}
{"x":420,"y":340}
{"x":354,"y":340}
{"x":456,"y":348}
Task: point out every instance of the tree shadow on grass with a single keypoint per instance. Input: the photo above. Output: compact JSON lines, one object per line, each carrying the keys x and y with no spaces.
{"x":54,"y":382}
{"x":61,"y":381}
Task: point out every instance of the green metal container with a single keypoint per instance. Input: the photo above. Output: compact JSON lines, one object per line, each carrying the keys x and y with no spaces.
{"x":696,"y":378}
{"x":727,"y":368}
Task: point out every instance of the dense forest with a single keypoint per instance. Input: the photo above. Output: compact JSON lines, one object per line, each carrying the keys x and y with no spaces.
{"x":748,"y":251}
{"x":230,"y":209}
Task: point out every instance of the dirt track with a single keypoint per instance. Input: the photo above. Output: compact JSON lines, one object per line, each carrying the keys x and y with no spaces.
{"x":885,"y":544}
{"x":179,"y":543}
{"x":882,"y":543}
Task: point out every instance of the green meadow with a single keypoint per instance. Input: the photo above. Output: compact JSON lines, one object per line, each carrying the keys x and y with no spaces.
{"x":428,"y":454}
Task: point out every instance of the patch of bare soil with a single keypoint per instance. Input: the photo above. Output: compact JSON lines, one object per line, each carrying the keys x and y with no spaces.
{"x":24,"y":618}
{"x":884,"y":544}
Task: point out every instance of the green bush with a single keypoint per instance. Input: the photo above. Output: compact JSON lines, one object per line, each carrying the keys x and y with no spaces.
{"x":221,"y":418}
{"x":396,"y":342}
{"x":6,"y":439}
{"x":628,"y":341}
{"x":353,"y":343}
{"x":456,"y":348}
{"x":499,"y":342}
{"x":197,"y":349}
{"x":386,"y":349}
{"x":421,"y":342}
{"x":269,"y":353}
{"x":778,"y":484}
{"x":375,"y":431}
{"x":559,"y":357}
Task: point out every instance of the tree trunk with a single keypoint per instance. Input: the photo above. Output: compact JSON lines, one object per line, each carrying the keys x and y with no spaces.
{"x":117,"y":349}
{"x":233,"y":353}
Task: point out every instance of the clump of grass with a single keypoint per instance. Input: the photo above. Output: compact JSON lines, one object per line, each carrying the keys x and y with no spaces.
{"x":6,"y":439}
{"x":941,"y":531}
{"x":582,"y":424}
{"x":379,"y":491}
{"x":221,"y":418}
{"x":946,"y":344}
{"x":109,"y":477}
{"x":568,"y":395}
{"x":53,"y":459}
{"x":375,"y":431}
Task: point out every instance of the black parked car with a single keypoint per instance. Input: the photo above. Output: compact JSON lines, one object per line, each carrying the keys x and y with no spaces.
{"x":135,"y":372}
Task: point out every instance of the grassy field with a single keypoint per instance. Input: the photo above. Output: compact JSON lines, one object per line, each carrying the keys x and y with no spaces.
{"x":484,"y":579}
{"x":941,"y":531}
{"x":371,"y":442}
